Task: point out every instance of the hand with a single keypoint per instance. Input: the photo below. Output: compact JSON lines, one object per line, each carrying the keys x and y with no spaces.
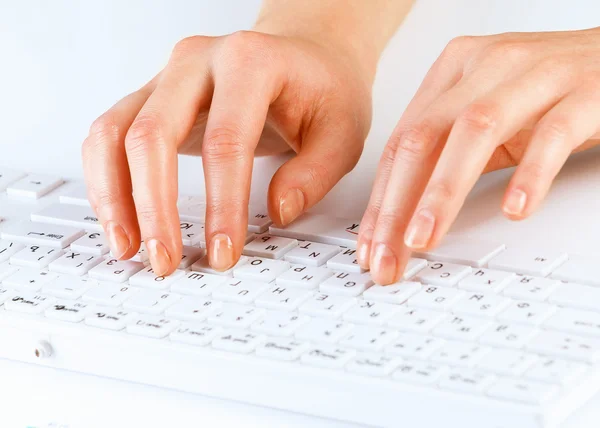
{"x":487,"y":103}
{"x":226,"y":98}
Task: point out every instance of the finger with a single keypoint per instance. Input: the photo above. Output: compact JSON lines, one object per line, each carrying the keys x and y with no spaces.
{"x":245,"y":85}
{"x":329,"y":151}
{"x":478,"y":130}
{"x":566,"y":127}
{"x":151,"y":146}
{"x":107,"y":173}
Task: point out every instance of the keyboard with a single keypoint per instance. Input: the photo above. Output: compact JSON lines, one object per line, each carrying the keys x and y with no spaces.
{"x":475,"y":335}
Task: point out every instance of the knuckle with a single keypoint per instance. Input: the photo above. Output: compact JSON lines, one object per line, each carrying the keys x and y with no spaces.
{"x":533,"y":171}
{"x":414,"y":143}
{"x":556,"y":129}
{"x":388,"y":220}
{"x":224,"y":143}
{"x":188,"y":45}
{"x":144,"y":134}
{"x":459,"y":45}
{"x":103,"y":130}
{"x":480,"y":117}
{"x":440,"y":192}
{"x":508,"y":51}
{"x":246,"y":50}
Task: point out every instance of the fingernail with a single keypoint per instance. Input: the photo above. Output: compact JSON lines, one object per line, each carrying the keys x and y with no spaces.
{"x":364,"y":249}
{"x":419,"y":231}
{"x":515,"y":202}
{"x":117,"y":239}
{"x":220,"y":253}
{"x":159,"y":257}
{"x":384,"y":264}
{"x":291,"y":206}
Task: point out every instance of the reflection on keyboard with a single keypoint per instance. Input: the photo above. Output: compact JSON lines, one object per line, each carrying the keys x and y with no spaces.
{"x":471,"y":318}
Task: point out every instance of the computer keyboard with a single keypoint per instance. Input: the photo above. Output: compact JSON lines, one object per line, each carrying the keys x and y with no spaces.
{"x":475,"y":335}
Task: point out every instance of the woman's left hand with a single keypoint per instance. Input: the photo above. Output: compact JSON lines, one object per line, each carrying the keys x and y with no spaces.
{"x":526,"y":99}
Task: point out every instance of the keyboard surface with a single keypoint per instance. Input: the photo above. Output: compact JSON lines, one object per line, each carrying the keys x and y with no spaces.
{"x":474,"y":325}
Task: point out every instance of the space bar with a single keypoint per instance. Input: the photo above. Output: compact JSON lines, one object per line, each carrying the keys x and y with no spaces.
{"x":321,"y":228}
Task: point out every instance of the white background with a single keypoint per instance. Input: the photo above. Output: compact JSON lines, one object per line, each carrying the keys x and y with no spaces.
{"x":65,"y":62}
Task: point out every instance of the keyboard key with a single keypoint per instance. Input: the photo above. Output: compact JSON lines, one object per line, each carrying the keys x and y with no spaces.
{"x":192,"y":233}
{"x":35,"y":256}
{"x":281,"y":348}
{"x":584,"y":323}
{"x":240,"y":291}
{"x":74,"y":263}
{"x":460,"y":354}
{"x":282,"y":298}
{"x":301,"y":276}
{"x":8,"y":248}
{"x":9,"y":176}
{"x":150,"y":301}
{"x":77,"y":195}
{"x":76,"y":216}
{"x":436,"y":298}
{"x":528,"y":262}
{"x":29,"y":279}
{"x":580,"y":269}
{"x":6,"y":269}
{"x":528,"y":313}
{"x":198,"y":334}
{"x":443,"y":274}
{"x":461,"y":328}
{"x":146,"y":278}
{"x":67,"y":287}
{"x":414,"y":346}
{"x":416,"y":320}
{"x":556,"y":371}
{"x":328,"y":356}
{"x":190,"y":255}
{"x":530,"y":288}
{"x":346,"y":284}
{"x":323,"y":331}
{"x":5,"y":294}
{"x":523,"y":391}
{"x":109,"y":294}
{"x":141,"y":256}
{"x":506,"y":362}
{"x":152,"y":326}
{"x":372,"y":364}
{"x":467,"y":381}
{"x":326,"y":305}
{"x":240,"y":341}
{"x":68,"y":310}
{"x":485,"y":305}
{"x":114,"y":270}
{"x":321,"y":228}
{"x":464,"y":251}
{"x":278,"y":323}
{"x":345,"y":261}
{"x":396,"y":293}
{"x":566,"y":345}
{"x":369,"y":312}
{"x":202,"y":265}
{"x":198,"y":283}
{"x":28,"y":302}
{"x":262,"y":270}
{"x":235,"y":315}
{"x":33,"y":186}
{"x":413,"y":267}
{"x":486,"y":280}
{"x":269,"y":247}
{"x":258,"y":219}
{"x":192,"y":208}
{"x":50,"y":235}
{"x":367,"y":338}
{"x":513,"y":336}
{"x":419,"y":372}
{"x":91,"y":243}
{"x":109,"y":318}
{"x":193,"y":309}
{"x":577,"y":296}
{"x":311,"y":253}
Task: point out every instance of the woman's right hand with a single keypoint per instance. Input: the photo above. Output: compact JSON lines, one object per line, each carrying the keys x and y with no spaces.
{"x":226,"y":98}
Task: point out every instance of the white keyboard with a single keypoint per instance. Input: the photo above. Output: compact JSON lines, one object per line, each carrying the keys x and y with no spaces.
{"x":476,"y":335}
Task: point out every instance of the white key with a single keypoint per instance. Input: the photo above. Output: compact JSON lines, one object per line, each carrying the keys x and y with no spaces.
{"x":565,"y":345}
{"x":414,"y":346}
{"x":465,"y":251}
{"x":326,"y":305}
{"x":530,"y":288}
{"x":147,"y":278}
{"x":528,"y":262}
{"x":35,"y":256}
{"x":419,"y":372}
{"x":262,"y":270}
{"x":193,"y":309}
{"x":584,"y":323}
{"x":579,"y":269}
{"x":33,"y":186}
{"x":577,"y":296}
{"x":5,"y":294}
{"x":29,"y":279}
{"x":198,"y":283}
{"x":282,"y":298}
{"x":109,"y":294}
{"x":192,"y":208}
{"x":556,"y":371}
{"x":396,"y":293}
{"x":8,"y":248}
{"x":202,"y":265}
{"x":240,"y":341}
{"x":485,"y":305}
{"x":68,"y":215}
{"x":506,"y":362}
{"x":235,"y":315}
{"x":366,"y":338}
{"x":369,"y":312}
{"x":114,"y":270}
{"x":198,"y":334}
{"x":443,"y":274}
{"x":413,"y":267}
{"x":327,"y":356}
{"x":321,"y":228}
{"x":74,"y":263}
{"x":311,"y":253}
{"x":192,"y":233}
{"x":460,"y":354}
{"x":486,"y":280}
{"x":302,"y":276}
{"x":51,"y":235}
{"x":345,"y":261}
{"x":464,"y":380}
{"x":8,"y":176}
{"x":416,"y":320}
{"x":523,"y":391}
{"x":258,"y":219}
{"x":152,"y":326}
{"x":6,"y":269}
{"x":528,"y":313}
{"x":461,"y":328}
{"x":190,"y":255}
{"x":372,"y":364}
{"x":68,"y":310}
{"x":141,"y":256}
{"x":508,"y":335}
{"x":278,"y":323}
{"x":240,"y":290}
{"x":77,"y":195}
{"x":28,"y":302}
{"x":66,"y":287}
{"x":436,"y":298}
{"x":150,"y":301}
{"x":270,"y":247}
{"x":282,"y":348}
{"x":346,"y":284}
{"x":91,"y":243}
{"x":109,"y":318}
{"x":323,"y":331}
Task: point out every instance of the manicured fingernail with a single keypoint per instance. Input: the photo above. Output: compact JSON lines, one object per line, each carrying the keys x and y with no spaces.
{"x":220,"y":253}
{"x":364,"y":249}
{"x":515,"y":202}
{"x":159,"y":257}
{"x":117,"y":239}
{"x":420,"y":229}
{"x":384,"y":264}
{"x":291,"y":206}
